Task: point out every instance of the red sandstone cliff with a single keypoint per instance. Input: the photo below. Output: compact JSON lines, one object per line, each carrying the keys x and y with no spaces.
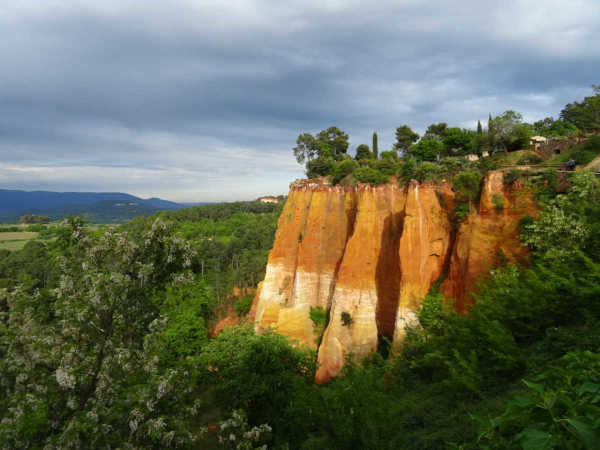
{"x":372,"y":254}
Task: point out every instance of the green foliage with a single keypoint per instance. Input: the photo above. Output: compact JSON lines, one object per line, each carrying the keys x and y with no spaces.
{"x":559,"y":408}
{"x":12,"y":229}
{"x":408,"y":169}
{"x":405,"y":137}
{"x":435,"y":131}
{"x":343,"y":169}
{"x":554,"y":128}
{"x":245,"y":368}
{"x":585,"y":153}
{"x":569,"y":222}
{"x":467,"y":185}
{"x":242,"y":307}
{"x":426,"y":149}
{"x":427,"y":171}
{"x":509,"y":132}
{"x":584,"y":115}
{"x":511,"y":176}
{"x":530,"y":159}
{"x":458,"y":139}
{"x":370,"y":175}
{"x":236,"y":434}
{"x":461,"y":211}
{"x":87,"y":372}
{"x":318,"y":316}
{"x":320,"y":152}
{"x":498,"y":202}
{"x":444,"y":348}
{"x":346,"y":318}
{"x":363,"y":152}
{"x":187,"y":306}
{"x":33,"y":218}
{"x":375,"y":146}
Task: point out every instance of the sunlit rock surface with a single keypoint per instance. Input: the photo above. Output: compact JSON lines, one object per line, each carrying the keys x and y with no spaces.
{"x":371,"y":254}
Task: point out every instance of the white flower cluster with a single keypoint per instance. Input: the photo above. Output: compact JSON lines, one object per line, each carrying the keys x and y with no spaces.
{"x":64,"y":378}
{"x":235,"y":433}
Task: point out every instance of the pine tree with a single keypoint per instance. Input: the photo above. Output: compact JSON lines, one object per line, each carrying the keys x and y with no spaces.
{"x":375,"y":148}
{"x":479,"y":128}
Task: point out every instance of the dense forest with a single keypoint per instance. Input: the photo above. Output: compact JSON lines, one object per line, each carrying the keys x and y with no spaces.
{"x":105,"y":343}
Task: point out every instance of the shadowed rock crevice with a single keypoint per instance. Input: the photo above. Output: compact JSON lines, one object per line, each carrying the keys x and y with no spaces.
{"x":388,"y":275}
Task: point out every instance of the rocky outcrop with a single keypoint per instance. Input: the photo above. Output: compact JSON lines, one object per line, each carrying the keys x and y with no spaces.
{"x":370,"y":254}
{"x":364,"y":299}
{"x":309,"y":245}
{"x":488,"y":236}
{"x":424,"y":248}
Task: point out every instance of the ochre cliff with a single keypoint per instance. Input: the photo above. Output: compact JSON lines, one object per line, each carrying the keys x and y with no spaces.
{"x":368,"y":255}
{"x":487,"y":236}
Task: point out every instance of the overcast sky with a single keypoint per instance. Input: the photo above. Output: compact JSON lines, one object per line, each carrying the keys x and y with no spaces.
{"x":195,"y":100}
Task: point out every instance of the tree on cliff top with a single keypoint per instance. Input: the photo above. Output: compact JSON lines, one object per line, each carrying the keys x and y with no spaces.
{"x":319,"y":153}
{"x":375,"y":146}
{"x":585,"y":115}
{"x":405,"y":137}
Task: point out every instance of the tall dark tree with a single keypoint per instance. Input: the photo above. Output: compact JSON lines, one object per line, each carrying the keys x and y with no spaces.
{"x":375,"y":146}
{"x":491,"y":139}
{"x":405,"y":137}
{"x":479,"y":127}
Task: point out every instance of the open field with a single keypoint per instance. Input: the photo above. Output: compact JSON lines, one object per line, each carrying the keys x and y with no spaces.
{"x":15,"y":240}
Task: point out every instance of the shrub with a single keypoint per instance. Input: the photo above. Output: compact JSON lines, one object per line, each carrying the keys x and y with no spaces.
{"x":370,"y":175}
{"x":511,"y":176}
{"x":342,"y":169}
{"x":427,"y":171}
{"x":528,"y":160}
{"x":242,"y":306}
{"x":243,"y":368}
{"x":468,"y":185}
{"x":592,"y":143}
{"x":346,"y":319}
{"x":318,"y":316}
{"x":498,"y":202}
{"x":387,"y":166}
{"x":461,"y":211}
{"x":559,"y":408}
{"x":363,"y":152}
{"x":407,"y":169}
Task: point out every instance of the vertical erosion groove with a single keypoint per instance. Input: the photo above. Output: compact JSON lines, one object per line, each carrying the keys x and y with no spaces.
{"x":299,"y":240}
{"x":388,"y":275}
{"x":350,"y":222}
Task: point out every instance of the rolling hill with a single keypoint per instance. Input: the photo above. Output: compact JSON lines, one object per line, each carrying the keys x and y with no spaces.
{"x":100,"y":207}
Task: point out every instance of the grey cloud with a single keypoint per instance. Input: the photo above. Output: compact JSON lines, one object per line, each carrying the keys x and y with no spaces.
{"x":201,"y":99}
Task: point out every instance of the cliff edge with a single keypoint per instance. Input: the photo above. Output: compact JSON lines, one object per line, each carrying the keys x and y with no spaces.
{"x":367,"y":255}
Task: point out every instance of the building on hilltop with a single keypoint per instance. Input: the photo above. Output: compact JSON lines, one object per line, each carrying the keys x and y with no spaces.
{"x":268,"y":200}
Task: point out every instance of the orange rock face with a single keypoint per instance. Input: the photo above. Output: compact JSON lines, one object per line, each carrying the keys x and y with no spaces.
{"x":423,"y":250}
{"x":370,"y":254}
{"x":309,"y":244}
{"x":366,"y":286}
{"x":487,"y":236}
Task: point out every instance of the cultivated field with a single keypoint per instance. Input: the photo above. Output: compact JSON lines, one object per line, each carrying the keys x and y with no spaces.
{"x":15,"y":240}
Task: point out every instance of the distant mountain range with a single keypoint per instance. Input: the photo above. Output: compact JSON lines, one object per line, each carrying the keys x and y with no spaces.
{"x":100,"y":207}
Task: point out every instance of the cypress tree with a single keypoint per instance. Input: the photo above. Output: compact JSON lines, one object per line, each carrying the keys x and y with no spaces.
{"x":490,"y":133}
{"x":479,"y":128}
{"x":375,"y":148}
